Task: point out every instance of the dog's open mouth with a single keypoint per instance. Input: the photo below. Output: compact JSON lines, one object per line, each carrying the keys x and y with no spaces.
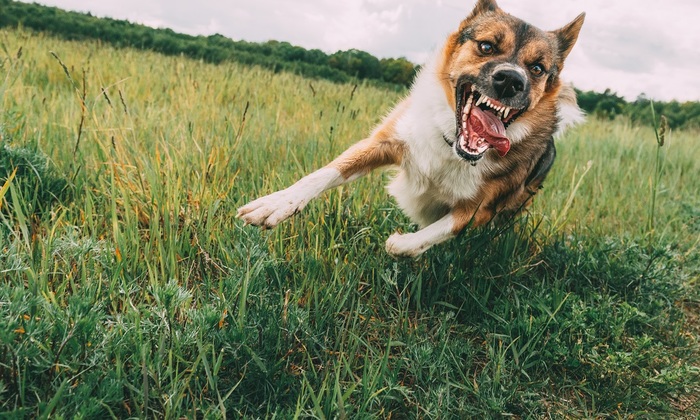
{"x":481,"y":123}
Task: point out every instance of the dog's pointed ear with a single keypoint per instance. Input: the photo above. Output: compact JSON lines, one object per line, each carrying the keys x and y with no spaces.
{"x":568,"y":35}
{"x":483,"y":6}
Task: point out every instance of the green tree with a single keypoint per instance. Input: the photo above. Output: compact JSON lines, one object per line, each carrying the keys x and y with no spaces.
{"x":356,"y":63}
{"x":397,"y":70}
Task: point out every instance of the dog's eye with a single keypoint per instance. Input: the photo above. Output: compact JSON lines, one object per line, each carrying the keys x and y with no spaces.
{"x":486,"y":48}
{"x":537,"y":69}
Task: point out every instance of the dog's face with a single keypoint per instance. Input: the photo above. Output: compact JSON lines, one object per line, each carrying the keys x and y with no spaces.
{"x":496,"y":69}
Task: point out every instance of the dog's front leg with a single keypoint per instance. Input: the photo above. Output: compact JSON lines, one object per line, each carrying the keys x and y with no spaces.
{"x":270,"y":210}
{"x":380,"y":149}
{"x":449,"y":226}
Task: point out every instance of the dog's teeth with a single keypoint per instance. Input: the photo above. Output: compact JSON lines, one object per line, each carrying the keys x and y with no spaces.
{"x":462,"y":141}
{"x":481,"y":100}
{"x":473,"y":88}
{"x":506,"y":112}
{"x":468,"y":107}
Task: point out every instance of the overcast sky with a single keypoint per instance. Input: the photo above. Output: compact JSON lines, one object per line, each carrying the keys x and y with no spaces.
{"x":630,"y":46}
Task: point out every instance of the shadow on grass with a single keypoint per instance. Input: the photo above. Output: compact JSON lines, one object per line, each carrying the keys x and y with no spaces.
{"x":564,"y":325}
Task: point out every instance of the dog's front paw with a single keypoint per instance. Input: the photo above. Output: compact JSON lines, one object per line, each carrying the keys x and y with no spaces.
{"x":405,"y":245}
{"x":271,"y":210}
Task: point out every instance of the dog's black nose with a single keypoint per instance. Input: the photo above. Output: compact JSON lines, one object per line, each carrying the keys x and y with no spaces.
{"x":508,"y":83}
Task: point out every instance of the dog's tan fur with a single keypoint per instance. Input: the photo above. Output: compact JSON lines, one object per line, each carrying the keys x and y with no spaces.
{"x":382,"y":148}
{"x":438,"y":189}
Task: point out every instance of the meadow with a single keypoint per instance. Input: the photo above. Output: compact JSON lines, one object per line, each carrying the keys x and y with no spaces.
{"x":129,"y":289}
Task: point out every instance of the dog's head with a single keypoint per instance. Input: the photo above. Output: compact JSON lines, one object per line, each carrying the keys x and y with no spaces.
{"x":497,"y":69}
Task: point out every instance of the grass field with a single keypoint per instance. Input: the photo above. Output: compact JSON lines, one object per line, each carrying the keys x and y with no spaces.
{"x":128,"y":288}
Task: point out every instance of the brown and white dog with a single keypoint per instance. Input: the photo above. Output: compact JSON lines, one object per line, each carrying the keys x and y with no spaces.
{"x":473,"y":139}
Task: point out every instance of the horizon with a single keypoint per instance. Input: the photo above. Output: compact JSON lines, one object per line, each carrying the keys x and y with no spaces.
{"x":616,"y":49}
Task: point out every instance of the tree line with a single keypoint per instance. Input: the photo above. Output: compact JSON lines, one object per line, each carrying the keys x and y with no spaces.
{"x":341,"y":66}
{"x":609,"y":105}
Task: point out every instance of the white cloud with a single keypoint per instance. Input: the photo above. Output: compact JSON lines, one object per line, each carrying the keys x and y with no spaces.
{"x":354,"y":25}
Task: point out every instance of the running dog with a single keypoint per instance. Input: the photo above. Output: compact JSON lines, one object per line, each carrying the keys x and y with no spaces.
{"x":473,"y":139}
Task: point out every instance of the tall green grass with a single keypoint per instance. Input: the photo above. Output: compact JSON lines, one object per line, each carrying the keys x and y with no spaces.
{"x":135,"y":292}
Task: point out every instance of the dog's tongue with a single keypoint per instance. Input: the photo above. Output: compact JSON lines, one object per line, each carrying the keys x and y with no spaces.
{"x":488,"y":126}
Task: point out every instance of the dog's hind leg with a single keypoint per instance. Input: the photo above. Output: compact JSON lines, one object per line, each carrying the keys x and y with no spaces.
{"x":446,"y":228}
{"x":416,"y":243}
{"x":380,"y":149}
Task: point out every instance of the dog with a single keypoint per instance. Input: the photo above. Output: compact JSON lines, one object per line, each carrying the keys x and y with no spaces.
{"x":473,"y":139}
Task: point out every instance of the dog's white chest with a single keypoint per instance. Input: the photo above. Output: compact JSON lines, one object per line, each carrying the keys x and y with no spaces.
{"x":431,"y":182}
